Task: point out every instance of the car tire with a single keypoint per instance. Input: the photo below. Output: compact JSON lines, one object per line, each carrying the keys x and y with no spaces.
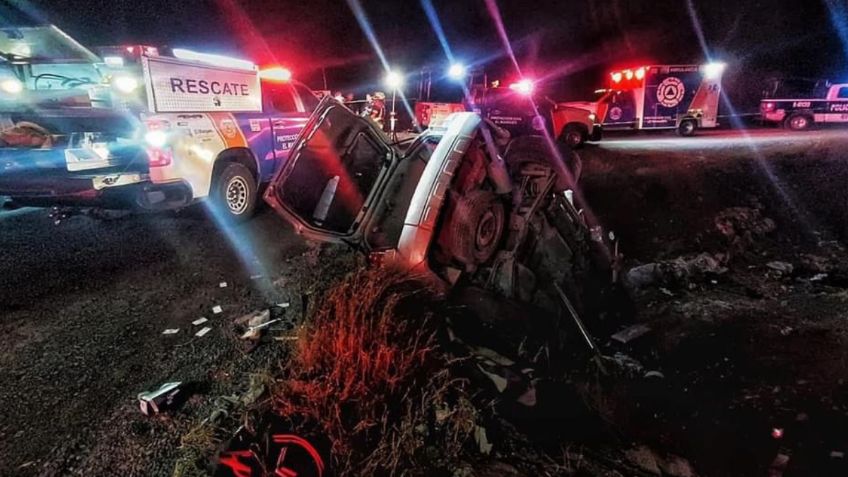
{"x":573,"y":136}
{"x":687,"y":128}
{"x":234,"y":194}
{"x":478,"y":221}
{"x":799,"y":122}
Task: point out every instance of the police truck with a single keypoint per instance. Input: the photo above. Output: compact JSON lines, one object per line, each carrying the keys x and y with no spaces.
{"x":800,"y":112}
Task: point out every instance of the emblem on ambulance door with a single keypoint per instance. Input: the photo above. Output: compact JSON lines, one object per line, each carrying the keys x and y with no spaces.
{"x":615,"y":113}
{"x":670,"y":92}
{"x":228,"y":128}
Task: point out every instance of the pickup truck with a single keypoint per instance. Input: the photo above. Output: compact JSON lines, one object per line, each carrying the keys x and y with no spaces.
{"x":803,"y":112}
{"x":131,"y":128}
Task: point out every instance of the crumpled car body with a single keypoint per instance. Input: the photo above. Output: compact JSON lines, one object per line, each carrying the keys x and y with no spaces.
{"x":461,"y":202}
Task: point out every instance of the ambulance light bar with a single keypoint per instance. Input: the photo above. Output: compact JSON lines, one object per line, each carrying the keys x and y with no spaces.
{"x":276,"y":73}
{"x":217,"y":60}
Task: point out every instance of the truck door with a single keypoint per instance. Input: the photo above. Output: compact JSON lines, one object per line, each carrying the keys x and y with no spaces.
{"x":620,"y":110}
{"x":287,"y":115}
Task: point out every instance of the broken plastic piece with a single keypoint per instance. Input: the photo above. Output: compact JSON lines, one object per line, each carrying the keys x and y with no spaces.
{"x":217,"y":309}
{"x":199,"y":321}
{"x":153,"y":402}
{"x":222,"y":285}
{"x":203,"y":331}
{"x":171,"y":331}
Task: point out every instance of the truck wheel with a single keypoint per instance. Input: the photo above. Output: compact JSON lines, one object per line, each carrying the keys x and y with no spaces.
{"x":479,"y":221}
{"x":798,"y":122}
{"x":573,"y":136}
{"x":687,"y":128}
{"x":234,"y":193}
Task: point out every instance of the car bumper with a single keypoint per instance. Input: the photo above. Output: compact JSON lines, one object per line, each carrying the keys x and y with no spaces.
{"x":118,"y":191}
{"x":774,"y":116}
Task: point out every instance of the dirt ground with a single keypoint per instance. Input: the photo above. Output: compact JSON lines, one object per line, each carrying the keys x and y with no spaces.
{"x":751,"y":355}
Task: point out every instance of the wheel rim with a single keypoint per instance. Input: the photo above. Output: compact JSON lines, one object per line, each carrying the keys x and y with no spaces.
{"x":688,"y":127}
{"x":486,"y":230}
{"x":236,"y":195}
{"x":573,"y":138}
{"x":799,"y":122}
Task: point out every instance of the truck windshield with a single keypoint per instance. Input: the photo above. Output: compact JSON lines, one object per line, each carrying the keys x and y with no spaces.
{"x":43,"y":44}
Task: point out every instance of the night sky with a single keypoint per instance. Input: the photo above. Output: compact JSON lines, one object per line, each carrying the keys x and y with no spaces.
{"x":570,"y":42}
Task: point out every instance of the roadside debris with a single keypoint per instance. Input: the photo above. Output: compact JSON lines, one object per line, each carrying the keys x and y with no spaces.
{"x":217,"y":309}
{"x":629,"y":334}
{"x":156,"y":401}
{"x":782,"y":268}
{"x":680,"y":271}
{"x":171,"y":331}
{"x":199,"y":321}
{"x":482,"y":440}
{"x":741,"y":225}
{"x":203,"y":331}
{"x":222,"y":285}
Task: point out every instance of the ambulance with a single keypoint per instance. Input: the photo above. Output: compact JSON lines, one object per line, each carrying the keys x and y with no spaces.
{"x":684,"y":98}
{"x":148,"y":130}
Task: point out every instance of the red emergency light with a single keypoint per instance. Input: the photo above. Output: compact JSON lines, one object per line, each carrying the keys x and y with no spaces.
{"x":276,"y":73}
{"x":629,"y":78}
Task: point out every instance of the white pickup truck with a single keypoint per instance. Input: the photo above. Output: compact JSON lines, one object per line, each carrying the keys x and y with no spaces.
{"x":799,"y":113}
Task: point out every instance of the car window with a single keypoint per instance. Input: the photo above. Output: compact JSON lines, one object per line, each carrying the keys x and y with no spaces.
{"x":334,"y":173}
{"x":310,"y":102}
{"x":280,"y":99}
{"x":843,"y":93}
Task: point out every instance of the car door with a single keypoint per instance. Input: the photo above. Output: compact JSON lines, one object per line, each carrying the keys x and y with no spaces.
{"x":288,"y":116}
{"x":335,"y":173}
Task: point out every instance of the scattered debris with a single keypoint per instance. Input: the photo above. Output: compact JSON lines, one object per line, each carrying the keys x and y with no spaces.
{"x":154,"y":402}
{"x":629,"y":334}
{"x":255,"y":332}
{"x":741,"y":225}
{"x":199,"y":321}
{"x":644,"y":458}
{"x":654,"y":374}
{"x":778,"y":465}
{"x":283,"y":304}
{"x":171,"y":331}
{"x":837,"y":454}
{"x":777,"y":432}
{"x":203,"y":331}
{"x":679,"y":271}
{"x":217,"y":309}
{"x":783,"y":268}
{"x":482,"y":441}
{"x":222,"y":285}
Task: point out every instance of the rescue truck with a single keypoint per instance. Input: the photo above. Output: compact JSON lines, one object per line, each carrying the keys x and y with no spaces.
{"x":143,"y":129}
{"x":659,"y":97}
{"x":799,"y":112}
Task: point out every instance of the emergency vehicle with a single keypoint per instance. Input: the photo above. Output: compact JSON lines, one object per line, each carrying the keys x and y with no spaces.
{"x":799,"y":112}
{"x":681,"y":97}
{"x":148,"y":130}
{"x":521,"y":111}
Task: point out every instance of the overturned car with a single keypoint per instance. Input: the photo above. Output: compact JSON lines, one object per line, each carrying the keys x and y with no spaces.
{"x":461,"y":203}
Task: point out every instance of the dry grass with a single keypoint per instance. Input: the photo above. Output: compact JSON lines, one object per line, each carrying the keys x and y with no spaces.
{"x":368,"y":374}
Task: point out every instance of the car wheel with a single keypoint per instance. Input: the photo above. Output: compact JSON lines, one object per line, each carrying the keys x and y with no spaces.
{"x":235,"y":192}
{"x":478,"y":224}
{"x":573,"y":136}
{"x":799,"y":122}
{"x":687,"y":128}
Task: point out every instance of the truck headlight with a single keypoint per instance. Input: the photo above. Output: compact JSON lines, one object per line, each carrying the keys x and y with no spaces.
{"x":125,"y":84}
{"x":156,"y":138}
{"x":11,"y":86}
{"x":592,"y":117}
